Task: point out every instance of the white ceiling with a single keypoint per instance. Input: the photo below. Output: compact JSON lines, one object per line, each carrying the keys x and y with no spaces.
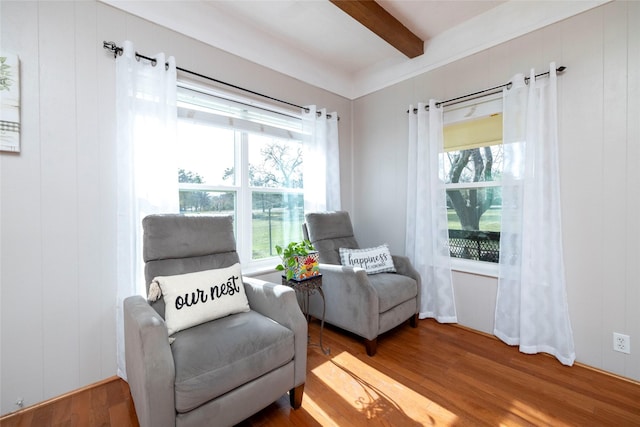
{"x":314,"y":41}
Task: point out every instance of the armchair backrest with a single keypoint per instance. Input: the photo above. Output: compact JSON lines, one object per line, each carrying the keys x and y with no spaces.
{"x":328,"y":232}
{"x":178,"y":244}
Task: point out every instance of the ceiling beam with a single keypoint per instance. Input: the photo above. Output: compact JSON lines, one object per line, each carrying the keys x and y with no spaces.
{"x":377,"y":19}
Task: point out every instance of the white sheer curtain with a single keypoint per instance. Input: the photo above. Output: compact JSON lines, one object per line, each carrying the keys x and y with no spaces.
{"x":531,"y":306}
{"x":427,"y":237}
{"x":321,"y":160}
{"x":146,"y":177}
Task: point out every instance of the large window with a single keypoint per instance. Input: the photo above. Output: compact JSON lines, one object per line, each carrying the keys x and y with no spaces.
{"x":471,"y":167}
{"x":237,"y":158}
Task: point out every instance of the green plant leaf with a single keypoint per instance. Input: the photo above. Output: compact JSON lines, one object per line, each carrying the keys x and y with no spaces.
{"x":289,"y":253}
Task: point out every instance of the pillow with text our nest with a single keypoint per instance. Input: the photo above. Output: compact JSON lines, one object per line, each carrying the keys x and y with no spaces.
{"x":194,"y":298}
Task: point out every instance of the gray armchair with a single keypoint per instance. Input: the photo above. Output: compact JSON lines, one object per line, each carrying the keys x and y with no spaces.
{"x":367,"y":305}
{"x":222,"y":371}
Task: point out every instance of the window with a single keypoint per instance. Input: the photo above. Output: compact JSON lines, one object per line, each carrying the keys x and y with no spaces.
{"x":237,"y":158}
{"x":471,"y":168}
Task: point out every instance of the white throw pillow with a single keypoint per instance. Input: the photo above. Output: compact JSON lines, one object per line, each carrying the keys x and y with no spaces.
{"x":194,"y":298}
{"x":373,"y":260}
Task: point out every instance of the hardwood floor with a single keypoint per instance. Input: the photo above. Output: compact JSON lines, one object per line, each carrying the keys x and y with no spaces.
{"x":107,"y":403}
{"x":433,"y":375}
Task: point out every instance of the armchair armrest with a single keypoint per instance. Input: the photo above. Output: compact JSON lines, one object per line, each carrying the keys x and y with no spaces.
{"x":349,"y":299}
{"x":279,"y":303}
{"x":405,"y":267}
{"x":149,"y":362}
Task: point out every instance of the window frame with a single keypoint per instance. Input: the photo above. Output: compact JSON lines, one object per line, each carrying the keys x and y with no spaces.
{"x":467,"y":111}
{"x":242,"y":127}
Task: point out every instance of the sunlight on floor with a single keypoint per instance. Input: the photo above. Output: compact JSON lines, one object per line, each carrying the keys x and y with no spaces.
{"x":378,"y":396}
{"x":532,"y":414}
{"x":320,"y":415}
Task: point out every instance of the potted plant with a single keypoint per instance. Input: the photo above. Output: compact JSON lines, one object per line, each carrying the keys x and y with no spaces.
{"x":299,"y":260}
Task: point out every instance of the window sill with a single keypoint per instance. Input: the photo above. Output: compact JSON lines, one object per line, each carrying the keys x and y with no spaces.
{"x":261,"y":267}
{"x":481,"y":268}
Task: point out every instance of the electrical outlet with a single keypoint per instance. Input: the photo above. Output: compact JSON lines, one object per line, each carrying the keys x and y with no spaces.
{"x":621,"y":343}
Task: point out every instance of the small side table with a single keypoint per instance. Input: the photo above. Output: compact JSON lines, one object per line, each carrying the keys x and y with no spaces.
{"x":305,"y":288}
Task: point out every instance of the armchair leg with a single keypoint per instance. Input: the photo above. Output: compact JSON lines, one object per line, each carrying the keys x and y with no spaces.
{"x":371,"y":346}
{"x":413,"y":321}
{"x":295,"y":396}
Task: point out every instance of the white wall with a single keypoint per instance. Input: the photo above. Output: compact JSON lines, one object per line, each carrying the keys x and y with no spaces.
{"x":57,"y":204}
{"x":599,"y":111}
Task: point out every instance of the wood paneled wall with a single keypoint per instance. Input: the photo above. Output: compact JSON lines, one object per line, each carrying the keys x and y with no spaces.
{"x":599,"y":115}
{"x":58,"y":196}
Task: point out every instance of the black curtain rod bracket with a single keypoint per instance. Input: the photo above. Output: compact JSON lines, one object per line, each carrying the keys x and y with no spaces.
{"x":112,"y":47}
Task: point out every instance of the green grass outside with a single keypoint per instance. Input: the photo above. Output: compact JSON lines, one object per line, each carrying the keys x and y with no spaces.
{"x":282,"y":232}
{"x":489,"y":221}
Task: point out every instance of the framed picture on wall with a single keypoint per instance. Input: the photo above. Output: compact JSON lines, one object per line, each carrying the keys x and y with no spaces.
{"x":9,"y":103}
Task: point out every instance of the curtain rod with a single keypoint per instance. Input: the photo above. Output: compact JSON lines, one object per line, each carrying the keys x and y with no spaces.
{"x":486,"y":92}
{"x":117,"y":50}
